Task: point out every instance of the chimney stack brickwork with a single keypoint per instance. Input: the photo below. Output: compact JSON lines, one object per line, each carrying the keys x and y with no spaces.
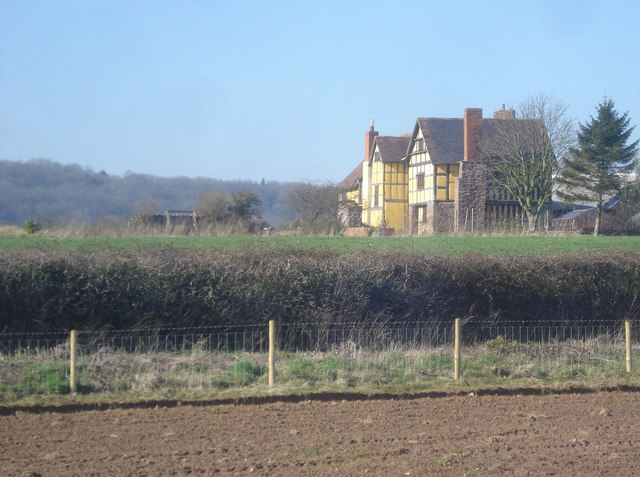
{"x":505,"y":114}
{"x":369,"y":137}
{"x":472,"y":134}
{"x":471,"y":187}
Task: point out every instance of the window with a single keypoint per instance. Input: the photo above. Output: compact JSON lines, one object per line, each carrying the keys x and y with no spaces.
{"x":422,"y":213}
{"x":377,"y":155}
{"x":375,"y":196}
{"x":420,"y":178}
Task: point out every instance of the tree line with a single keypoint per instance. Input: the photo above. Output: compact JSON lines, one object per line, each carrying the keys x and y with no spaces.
{"x":55,"y":194}
{"x":44,"y":192}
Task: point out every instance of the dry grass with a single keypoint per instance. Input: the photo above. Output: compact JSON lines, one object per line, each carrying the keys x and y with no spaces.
{"x":105,"y":372}
{"x":11,"y":230}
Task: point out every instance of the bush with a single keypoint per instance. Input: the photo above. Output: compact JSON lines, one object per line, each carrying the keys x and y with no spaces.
{"x":31,"y":226}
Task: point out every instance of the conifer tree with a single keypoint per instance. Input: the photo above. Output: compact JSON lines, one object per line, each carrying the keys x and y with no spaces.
{"x":594,"y":170}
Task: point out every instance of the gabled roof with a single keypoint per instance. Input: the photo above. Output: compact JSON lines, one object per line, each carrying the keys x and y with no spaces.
{"x":444,"y":137}
{"x":492,"y":127}
{"x":353,"y":180}
{"x":392,"y":148}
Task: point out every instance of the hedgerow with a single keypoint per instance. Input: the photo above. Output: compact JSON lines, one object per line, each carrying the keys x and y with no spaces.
{"x":42,"y":291}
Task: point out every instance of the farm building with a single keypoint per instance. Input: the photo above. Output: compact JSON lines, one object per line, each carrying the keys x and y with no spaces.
{"x":172,"y":222}
{"x":429,"y":181}
{"x":616,"y":218}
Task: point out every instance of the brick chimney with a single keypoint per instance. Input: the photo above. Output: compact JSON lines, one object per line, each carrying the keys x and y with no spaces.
{"x":369,"y":137}
{"x":505,"y":114}
{"x":472,"y":134}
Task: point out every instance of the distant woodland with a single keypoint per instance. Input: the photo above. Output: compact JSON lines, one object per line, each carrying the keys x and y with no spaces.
{"x":56,"y":194}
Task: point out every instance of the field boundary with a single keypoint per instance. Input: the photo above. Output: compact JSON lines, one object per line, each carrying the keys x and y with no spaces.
{"x":66,"y":408}
{"x":348,"y":361}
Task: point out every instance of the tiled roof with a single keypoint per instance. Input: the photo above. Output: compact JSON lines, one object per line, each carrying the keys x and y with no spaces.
{"x":534,"y":126}
{"x":392,"y":148}
{"x":352,"y":181}
{"x":444,"y":137}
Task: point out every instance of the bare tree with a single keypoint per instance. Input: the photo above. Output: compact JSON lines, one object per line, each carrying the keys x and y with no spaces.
{"x":349,"y":211}
{"x":238,"y":212}
{"x":147,"y":207}
{"x":522,"y":155}
{"x":214,"y":206}
{"x":316,"y":207}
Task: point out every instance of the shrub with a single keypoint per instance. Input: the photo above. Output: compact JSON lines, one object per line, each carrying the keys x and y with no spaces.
{"x":42,"y":291}
{"x":31,"y":226}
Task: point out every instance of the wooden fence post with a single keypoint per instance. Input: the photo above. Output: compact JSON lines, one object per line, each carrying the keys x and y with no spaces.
{"x":456,"y":349}
{"x":272,"y":352}
{"x":627,"y":334}
{"x":72,"y":361}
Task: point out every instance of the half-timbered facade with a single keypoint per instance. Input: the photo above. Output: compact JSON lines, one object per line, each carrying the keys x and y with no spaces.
{"x":387,"y":172}
{"x":432,"y":180}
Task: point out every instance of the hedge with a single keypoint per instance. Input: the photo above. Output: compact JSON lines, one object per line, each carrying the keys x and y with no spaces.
{"x":42,"y":291}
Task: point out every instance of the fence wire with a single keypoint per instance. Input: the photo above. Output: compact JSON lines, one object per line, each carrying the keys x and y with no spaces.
{"x":331,"y":354}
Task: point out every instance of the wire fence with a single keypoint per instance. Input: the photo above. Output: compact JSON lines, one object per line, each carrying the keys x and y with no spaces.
{"x":342,"y":355}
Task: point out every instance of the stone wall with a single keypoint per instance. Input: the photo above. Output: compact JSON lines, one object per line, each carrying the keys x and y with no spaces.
{"x":443,"y":217}
{"x":439,"y":219}
{"x":470,"y":195}
{"x":427,"y":226}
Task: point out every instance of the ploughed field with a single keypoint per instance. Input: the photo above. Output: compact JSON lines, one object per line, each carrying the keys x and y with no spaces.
{"x":552,"y":434}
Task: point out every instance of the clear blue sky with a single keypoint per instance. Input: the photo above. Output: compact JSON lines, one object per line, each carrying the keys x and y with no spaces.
{"x":284,"y":90}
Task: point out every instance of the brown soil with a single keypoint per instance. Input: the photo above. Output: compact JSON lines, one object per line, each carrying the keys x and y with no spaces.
{"x":561,"y":434}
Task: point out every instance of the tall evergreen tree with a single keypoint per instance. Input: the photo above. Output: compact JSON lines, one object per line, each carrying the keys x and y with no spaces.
{"x":593,"y":171}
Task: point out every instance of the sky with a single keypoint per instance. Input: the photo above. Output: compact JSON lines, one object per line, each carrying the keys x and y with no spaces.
{"x":285,"y":90}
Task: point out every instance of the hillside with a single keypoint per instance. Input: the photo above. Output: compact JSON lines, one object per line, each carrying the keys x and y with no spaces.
{"x":54,"y":193}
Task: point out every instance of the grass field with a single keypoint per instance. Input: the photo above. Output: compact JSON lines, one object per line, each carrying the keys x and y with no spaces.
{"x":454,"y":245}
{"x":37,"y":376}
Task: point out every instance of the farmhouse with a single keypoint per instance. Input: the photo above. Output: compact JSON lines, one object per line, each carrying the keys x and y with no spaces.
{"x":429,"y":181}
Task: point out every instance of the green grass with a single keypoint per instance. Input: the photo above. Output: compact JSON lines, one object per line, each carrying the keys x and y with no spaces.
{"x":245,"y":371}
{"x":118,"y":376}
{"x":36,"y":378}
{"x":455,"y":245}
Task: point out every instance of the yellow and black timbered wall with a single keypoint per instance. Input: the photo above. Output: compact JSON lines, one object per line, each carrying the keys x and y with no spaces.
{"x":421,"y":184}
{"x":428,"y":183}
{"x":387,"y":194}
{"x":445,"y":178}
